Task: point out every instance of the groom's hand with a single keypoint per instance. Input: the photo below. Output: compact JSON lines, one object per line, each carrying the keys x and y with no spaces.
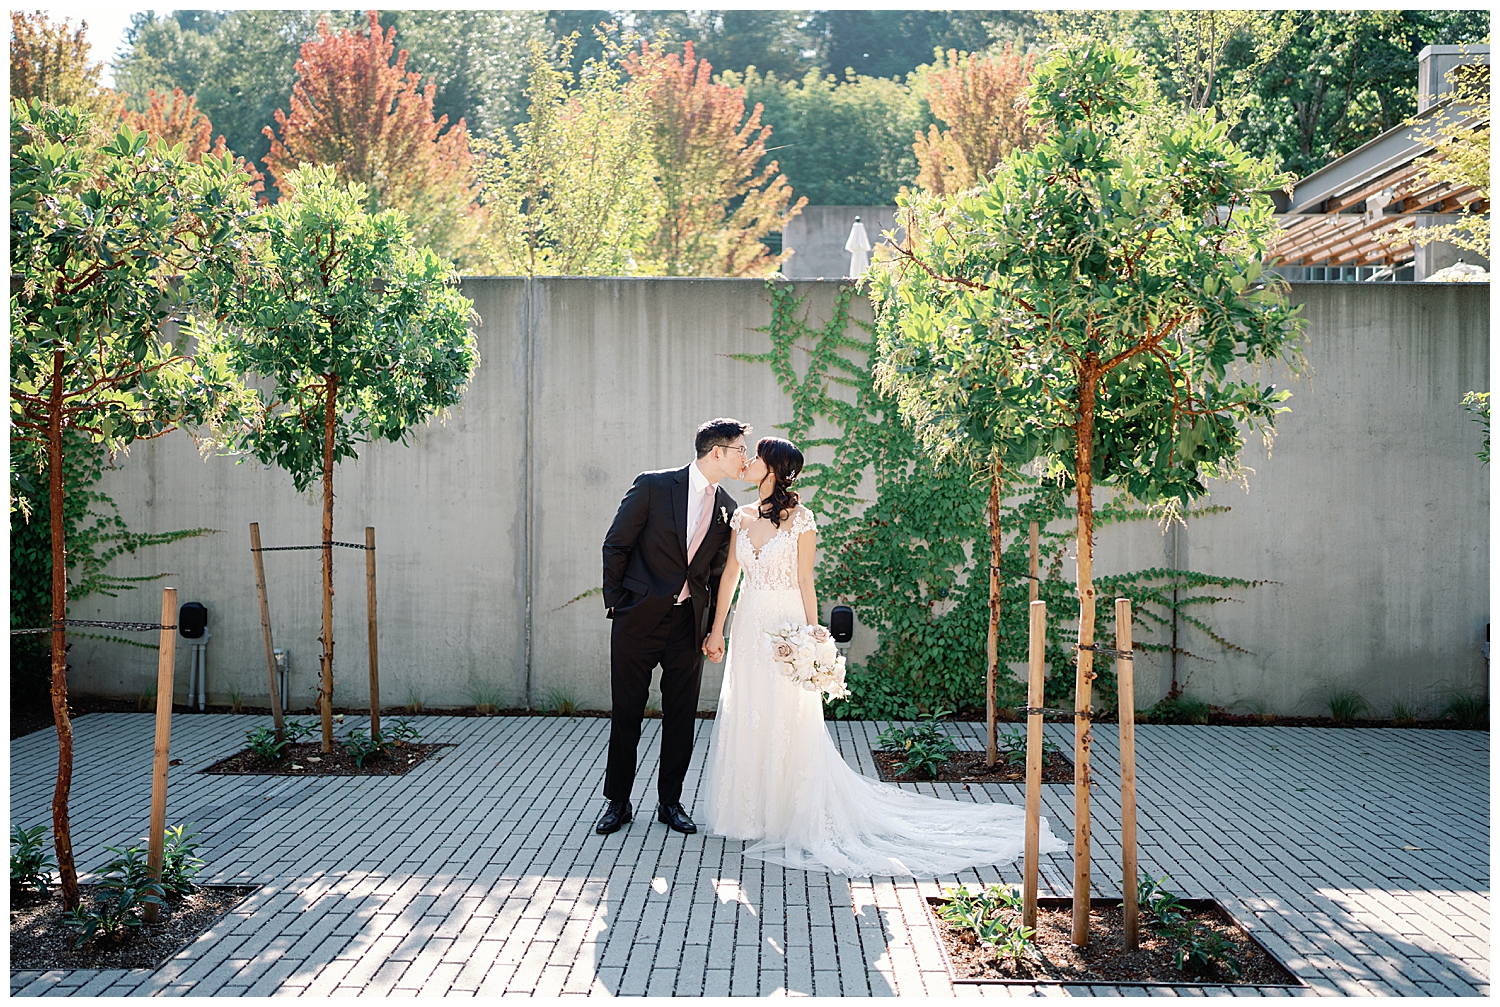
{"x":713,"y":647}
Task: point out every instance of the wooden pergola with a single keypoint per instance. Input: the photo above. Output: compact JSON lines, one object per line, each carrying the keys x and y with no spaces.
{"x":1344,"y":213}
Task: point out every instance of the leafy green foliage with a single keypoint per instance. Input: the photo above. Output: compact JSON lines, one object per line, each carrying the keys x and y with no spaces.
{"x":1094,"y":286}
{"x":1478,"y":403}
{"x":127,"y":887}
{"x":839,"y":140}
{"x":905,"y":559}
{"x":1302,"y":87}
{"x":1199,"y":948}
{"x":1180,"y":709}
{"x":924,"y":748}
{"x":339,"y":301}
{"x":362,"y":746}
{"x":994,"y":915}
{"x":571,"y":193}
{"x":31,"y":865}
{"x":263,"y":744}
{"x":116,"y":910}
{"x":296,"y":729}
{"x":180,"y":862}
{"x":96,"y":535}
{"x":402,"y":732}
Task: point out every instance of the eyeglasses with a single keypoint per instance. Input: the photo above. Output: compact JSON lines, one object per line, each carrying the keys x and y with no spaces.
{"x":740,"y":448}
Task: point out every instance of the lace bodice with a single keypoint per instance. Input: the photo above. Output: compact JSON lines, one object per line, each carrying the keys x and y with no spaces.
{"x":774,"y":566}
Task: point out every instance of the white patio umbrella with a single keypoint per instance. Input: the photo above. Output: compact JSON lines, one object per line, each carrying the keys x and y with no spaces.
{"x":858,"y":246}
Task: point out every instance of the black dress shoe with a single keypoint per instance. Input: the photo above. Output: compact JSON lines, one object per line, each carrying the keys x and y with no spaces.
{"x":614,"y":818}
{"x":676,"y":817}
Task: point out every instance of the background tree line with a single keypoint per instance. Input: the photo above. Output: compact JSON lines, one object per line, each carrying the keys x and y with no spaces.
{"x":853,"y":105}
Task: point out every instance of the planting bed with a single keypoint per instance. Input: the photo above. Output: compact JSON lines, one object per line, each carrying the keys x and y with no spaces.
{"x":38,"y":939}
{"x":969,"y":767}
{"x":1104,"y":960}
{"x":307,"y":758}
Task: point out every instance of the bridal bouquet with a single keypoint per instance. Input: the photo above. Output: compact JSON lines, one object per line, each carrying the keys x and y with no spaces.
{"x":807,"y":656}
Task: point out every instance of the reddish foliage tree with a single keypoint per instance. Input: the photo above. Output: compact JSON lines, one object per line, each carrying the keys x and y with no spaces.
{"x":369,"y":118}
{"x":982,"y":101}
{"x":717,"y":202}
{"x":176,"y":119}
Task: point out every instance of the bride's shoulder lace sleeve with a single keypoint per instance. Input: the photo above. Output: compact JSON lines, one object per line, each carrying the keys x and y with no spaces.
{"x":803,"y":522}
{"x":737,"y":519}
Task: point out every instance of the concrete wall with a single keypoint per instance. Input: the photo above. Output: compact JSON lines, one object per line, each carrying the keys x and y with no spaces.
{"x":817,"y":236}
{"x":1371,"y":514}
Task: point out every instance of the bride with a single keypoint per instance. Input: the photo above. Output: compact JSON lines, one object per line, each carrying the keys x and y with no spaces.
{"x":774,"y":775}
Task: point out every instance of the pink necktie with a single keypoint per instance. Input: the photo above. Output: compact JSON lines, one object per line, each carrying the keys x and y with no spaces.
{"x":705,"y":517}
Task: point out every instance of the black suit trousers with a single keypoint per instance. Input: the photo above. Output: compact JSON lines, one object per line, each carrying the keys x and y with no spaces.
{"x":674,"y":644}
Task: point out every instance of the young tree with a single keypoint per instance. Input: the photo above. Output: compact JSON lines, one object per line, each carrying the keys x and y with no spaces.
{"x":360,"y":335}
{"x":1109,"y":282}
{"x":50,"y":62}
{"x":109,"y":242}
{"x":370,"y":119}
{"x":979,"y":98}
{"x":572,"y":194}
{"x":717,"y":203}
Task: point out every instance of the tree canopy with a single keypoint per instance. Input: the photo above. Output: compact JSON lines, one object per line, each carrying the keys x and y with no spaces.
{"x":372,"y":120}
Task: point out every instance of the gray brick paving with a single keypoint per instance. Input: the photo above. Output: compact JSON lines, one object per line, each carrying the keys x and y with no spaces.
{"x":479,"y":874}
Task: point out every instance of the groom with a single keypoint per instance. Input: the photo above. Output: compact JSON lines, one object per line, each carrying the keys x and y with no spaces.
{"x":662,"y":560}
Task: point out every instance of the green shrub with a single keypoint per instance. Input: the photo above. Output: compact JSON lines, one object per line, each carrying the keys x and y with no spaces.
{"x":263,"y":744}
{"x":31,"y":863}
{"x":924,"y":748}
{"x":1469,"y":710}
{"x":362,"y":746}
{"x":1179,"y":710}
{"x":994,"y":915}
{"x":1346,"y":705}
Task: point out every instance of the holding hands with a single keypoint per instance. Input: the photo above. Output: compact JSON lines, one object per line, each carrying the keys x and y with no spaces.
{"x":713,"y":646}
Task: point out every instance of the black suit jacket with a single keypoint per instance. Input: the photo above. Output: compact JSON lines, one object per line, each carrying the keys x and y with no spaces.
{"x":645,"y":553}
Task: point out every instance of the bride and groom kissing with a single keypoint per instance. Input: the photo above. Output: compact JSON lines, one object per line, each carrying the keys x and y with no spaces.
{"x":673,"y":558}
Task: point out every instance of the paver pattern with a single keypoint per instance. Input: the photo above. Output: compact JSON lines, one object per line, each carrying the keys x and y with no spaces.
{"x":1360,"y":857}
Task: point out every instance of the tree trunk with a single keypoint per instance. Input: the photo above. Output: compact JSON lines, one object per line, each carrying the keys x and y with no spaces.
{"x":991,"y":683}
{"x":1082,"y":725}
{"x":325,"y":692}
{"x":62,"y":836}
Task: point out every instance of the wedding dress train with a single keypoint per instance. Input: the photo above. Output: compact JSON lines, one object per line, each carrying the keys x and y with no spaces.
{"x":776,"y":777}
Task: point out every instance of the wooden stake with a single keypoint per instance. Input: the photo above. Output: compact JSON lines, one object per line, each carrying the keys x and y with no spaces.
{"x":992,"y":647}
{"x":1032,"y":535}
{"x":1034,"y":691}
{"x":165,"y":665}
{"x":1125,"y":676}
{"x":374,"y":632}
{"x":265,"y":629}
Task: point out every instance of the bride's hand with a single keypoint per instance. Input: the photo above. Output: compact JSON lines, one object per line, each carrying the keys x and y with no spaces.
{"x":713,"y":647}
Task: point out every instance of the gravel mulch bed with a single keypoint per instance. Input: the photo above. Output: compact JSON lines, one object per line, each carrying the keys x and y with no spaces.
{"x":307,"y":758}
{"x":1104,"y":960}
{"x":38,"y":939}
{"x":969,"y":767}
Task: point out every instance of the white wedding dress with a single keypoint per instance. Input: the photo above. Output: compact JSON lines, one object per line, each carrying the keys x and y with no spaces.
{"x":775,"y":776}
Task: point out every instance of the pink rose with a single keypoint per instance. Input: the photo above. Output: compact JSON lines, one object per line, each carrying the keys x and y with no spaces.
{"x":820,"y":634}
{"x":782,"y":651}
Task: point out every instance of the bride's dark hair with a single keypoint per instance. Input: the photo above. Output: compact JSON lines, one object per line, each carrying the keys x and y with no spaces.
{"x":784,"y":463}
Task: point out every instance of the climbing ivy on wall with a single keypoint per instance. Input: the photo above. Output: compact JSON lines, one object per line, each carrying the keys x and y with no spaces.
{"x":96,"y":536}
{"x":899,"y":534}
